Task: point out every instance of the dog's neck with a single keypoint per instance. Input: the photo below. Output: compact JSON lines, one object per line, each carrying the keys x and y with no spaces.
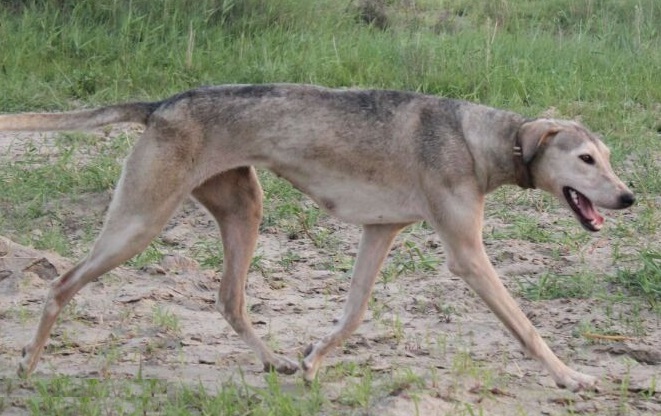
{"x":491,"y":144}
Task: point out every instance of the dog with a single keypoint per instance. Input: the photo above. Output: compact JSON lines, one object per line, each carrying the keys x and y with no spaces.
{"x":381,"y":159}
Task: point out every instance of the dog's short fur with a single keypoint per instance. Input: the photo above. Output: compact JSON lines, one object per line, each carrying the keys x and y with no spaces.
{"x":382,"y":159}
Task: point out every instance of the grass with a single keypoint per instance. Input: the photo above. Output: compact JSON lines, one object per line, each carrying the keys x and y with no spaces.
{"x":581,"y":285}
{"x":646,"y":280}
{"x":65,"y":395}
{"x":165,"y":320}
{"x":36,"y":182}
{"x":597,"y":61}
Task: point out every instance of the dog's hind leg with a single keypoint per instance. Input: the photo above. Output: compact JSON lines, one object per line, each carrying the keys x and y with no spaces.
{"x":234,"y":198}
{"x":373,"y":249}
{"x":151,"y":188}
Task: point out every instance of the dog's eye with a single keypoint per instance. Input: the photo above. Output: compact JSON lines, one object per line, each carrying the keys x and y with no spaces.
{"x":587,"y":159}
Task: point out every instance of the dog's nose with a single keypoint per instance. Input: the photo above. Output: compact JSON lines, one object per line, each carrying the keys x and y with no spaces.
{"x":627,"y":199}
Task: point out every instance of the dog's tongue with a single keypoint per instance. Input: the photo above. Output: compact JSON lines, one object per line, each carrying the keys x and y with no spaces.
{"x":589,"y":212}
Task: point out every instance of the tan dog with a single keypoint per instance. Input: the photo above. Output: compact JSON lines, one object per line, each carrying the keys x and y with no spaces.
{"x":383,"y":159}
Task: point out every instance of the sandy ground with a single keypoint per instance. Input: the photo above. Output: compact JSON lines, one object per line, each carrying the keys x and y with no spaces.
{"x":427,"y":322}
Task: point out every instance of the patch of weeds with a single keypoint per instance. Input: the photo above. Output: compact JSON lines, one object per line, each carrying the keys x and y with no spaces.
{"x":343,"y":263}
{"x":548,"y":286}
{"x":391,"y":324}
{"x":21,"y":312}
{"x":229,"y":399}
{"x":73,"y":141}
{"x":259,"y":264}
{"x":406,"y":260}
{"x":359,"y":392}
{"x":71,"y":311}
{"x":307,"y":219}
{"x":83,"y":84}
{"x":404,"y":380}
{"x":36,"y":182}
{"x":648,"y":220}
{"x":625,"y":382}
{"x":463,"y":365}
{"x":208,"y":253}
{"x":628,"y":317}
{"x":397,"y":328}
{"x":109,"y":355}
{"x":462,"y":362}
{"x":634,"y":321}
{"x":281,"y":198}
{"x":151,"y":255}
{"x":524,"y":228}
{"x":165,"y":320}
{"x":433,"y":306}
{"x":440,"y":345}
{"x":336,"y":262}
{"x":153,"y":347}
{"x":273,"y":397}
{"x":342,"y":370}
{"x":289,"y":259}
{"x":649,"y":176}
{"x":591,"y":333}
{"x":51,"y":238}
{"x":646,"y":280}
{"x":377,"y":307}
{"x":64,"y":395}
{"x":241,"y":399}
{"x":288,"y":209}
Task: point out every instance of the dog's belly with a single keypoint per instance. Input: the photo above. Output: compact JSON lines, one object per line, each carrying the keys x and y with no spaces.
{"x":356,"y":200}
{"x":365,"y":204}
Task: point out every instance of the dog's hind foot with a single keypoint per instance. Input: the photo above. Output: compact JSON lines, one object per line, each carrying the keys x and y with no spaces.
{"x":310,"y":364}
{"x":22,"y":370}
{"x":27,"y":364}
{"x":574,"y":381}
{"x":282,"y":365}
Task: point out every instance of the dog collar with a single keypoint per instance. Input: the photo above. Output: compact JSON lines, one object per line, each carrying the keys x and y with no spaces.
{"x":522,"y":173}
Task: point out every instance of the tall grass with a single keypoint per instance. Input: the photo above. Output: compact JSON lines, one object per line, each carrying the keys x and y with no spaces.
{"x":522,"y":54}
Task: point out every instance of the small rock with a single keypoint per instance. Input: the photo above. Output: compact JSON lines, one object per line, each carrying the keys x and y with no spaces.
{"x":177,"y":263}
{"x":42,"y":268}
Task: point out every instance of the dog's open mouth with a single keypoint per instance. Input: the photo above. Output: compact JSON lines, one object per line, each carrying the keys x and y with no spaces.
{"x":587,"y":214}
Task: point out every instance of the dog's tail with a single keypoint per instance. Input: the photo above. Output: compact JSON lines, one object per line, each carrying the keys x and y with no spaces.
{"x":138,"y":112}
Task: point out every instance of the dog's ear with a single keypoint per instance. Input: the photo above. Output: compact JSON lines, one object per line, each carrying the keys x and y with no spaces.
{"x":533,"y":135}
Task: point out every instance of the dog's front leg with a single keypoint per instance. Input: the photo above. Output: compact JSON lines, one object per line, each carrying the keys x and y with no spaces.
{"x":374,"y":246}
{"x":460,"y":227}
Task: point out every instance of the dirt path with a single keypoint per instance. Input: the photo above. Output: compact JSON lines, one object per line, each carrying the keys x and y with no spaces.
{"x":160,"y":320}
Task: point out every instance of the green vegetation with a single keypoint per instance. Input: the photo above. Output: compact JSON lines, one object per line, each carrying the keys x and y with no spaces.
{"x":67,"y":396}
{"x":595,"y":60}
{"x":646,"y":280}
{"x":521,"y":54}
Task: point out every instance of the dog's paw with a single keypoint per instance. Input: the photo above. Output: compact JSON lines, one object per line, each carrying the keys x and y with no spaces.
{"x":24,"y":367}
{"x":282,"y":365}
{"x":22,"y":371}
{"x":575,"y":381}
{"x":310,"y":364}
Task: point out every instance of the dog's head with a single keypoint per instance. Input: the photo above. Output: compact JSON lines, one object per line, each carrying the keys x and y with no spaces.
{"x":570,"y":162}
